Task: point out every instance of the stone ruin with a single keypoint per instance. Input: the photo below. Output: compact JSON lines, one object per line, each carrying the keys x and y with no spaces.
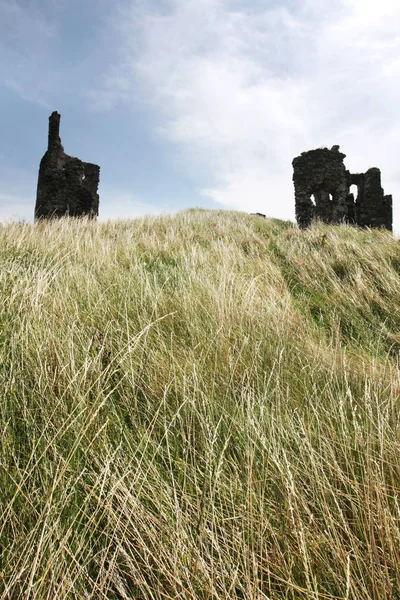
{"x":66,"y":185}
{"x":322,"y":191}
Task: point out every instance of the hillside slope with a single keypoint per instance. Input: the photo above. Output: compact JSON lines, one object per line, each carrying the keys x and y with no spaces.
{"x":204,"y":405}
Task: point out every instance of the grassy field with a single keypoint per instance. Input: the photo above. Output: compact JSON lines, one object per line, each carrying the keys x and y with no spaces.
{"x":199,"y":406}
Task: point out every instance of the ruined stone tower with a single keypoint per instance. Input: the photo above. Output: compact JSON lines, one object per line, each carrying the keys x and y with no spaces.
{"x":66,"y":185}
{"x":322,"y":191}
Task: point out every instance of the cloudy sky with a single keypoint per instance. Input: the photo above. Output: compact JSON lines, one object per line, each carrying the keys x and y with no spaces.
{"x":189,"y":103}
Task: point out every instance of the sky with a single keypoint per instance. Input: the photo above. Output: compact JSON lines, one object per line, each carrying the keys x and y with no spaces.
{"x":197,"y":103}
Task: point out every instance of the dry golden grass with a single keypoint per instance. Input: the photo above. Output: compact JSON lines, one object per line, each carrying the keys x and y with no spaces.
{"x":203,"y":406}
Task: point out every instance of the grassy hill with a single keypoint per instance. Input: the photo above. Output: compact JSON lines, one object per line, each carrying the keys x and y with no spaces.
{"x":199,"y":406}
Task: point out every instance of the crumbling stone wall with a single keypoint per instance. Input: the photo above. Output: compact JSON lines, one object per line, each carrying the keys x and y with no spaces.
{"x":372,"y":208}
{"x":322,"y":191}
{"x":66,"y":185}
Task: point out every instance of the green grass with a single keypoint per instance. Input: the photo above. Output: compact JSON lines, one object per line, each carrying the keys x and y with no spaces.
{"x":199,"y":406}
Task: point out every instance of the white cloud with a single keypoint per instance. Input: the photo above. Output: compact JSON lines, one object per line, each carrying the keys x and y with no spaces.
{"x":15,"y":207}
{"x":116,"y":204}
{"x":26,"y":35}
{"x":17,"y":192}
{"x":27,"y":95}
{"x":244,"y":91}
{"x":23,"y":26}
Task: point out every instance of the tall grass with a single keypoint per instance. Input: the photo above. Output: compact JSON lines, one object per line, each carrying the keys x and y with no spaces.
{"x":199,"y":406}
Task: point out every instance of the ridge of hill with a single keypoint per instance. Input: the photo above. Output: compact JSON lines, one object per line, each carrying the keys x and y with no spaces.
{"x":199,"y":405}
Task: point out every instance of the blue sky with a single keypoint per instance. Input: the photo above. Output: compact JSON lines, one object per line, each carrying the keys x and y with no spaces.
{"x":189,"y":103}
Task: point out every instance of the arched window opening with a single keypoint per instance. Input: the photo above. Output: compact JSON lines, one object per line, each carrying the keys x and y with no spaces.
{"x":354,"y":191}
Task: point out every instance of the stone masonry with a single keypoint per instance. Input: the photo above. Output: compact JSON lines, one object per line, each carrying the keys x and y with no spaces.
{"x":66,"y":185}
{"x":322,"y":191}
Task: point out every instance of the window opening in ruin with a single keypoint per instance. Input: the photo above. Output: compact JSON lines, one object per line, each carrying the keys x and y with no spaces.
{"x":354,"y":191}
{"x":313,"y":200}
{"x":331,"y":197}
